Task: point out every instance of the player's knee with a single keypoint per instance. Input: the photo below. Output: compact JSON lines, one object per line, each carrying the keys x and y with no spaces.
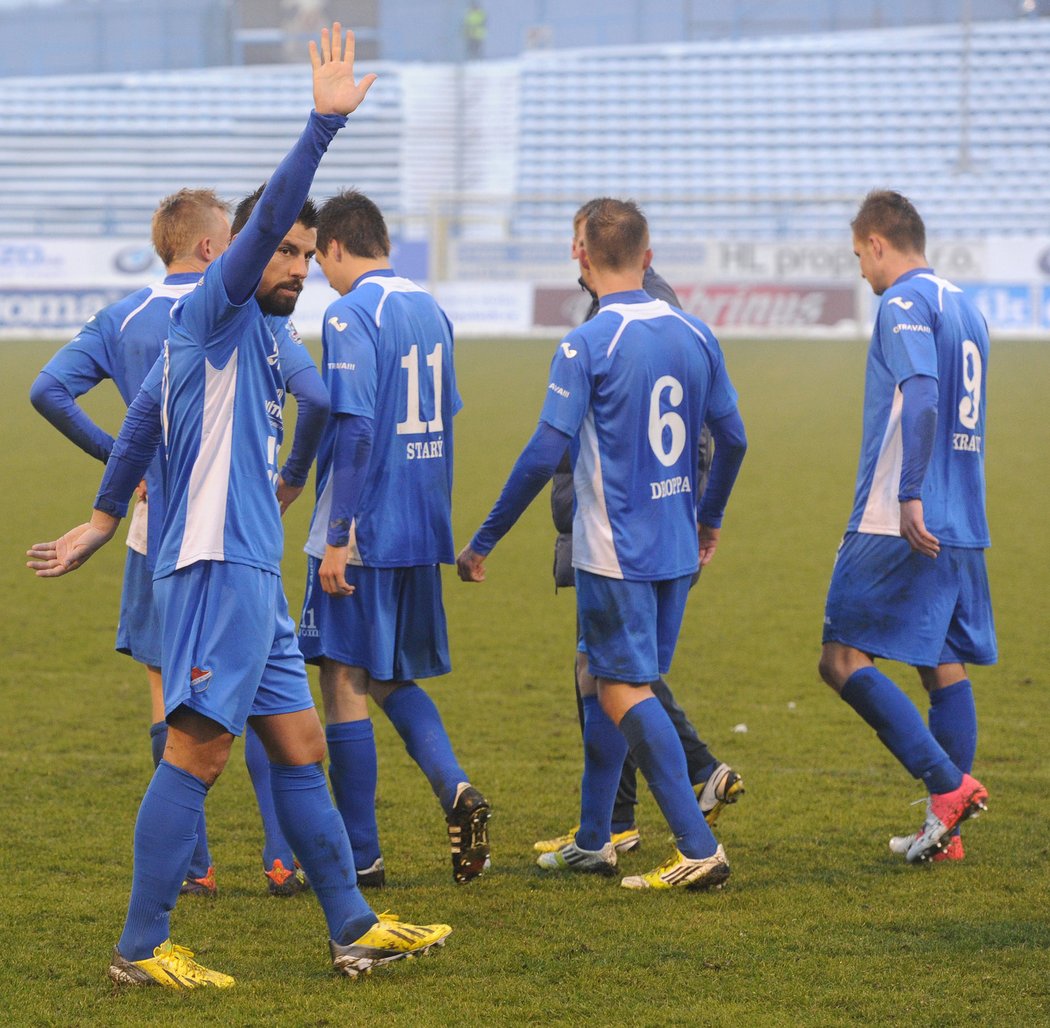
{"x":829,"y":670}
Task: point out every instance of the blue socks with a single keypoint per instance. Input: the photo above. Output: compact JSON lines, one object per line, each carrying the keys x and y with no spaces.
{"x":658,"y":752}
{"x":200,"y":862}
{"x":899,"y":725}
{"x":275,"y":845}
{"x":413,"y":714}
{"x":165,"y":834}
{"x":354,"y":774}
{"x":952,"y":718}
{"x":953,"y":723}
{"x":315,"y":830}
{"x":604,"y":750}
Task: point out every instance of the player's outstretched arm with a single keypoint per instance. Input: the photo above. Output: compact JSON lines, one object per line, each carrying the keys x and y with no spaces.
{"x":59,"y":557}
{"x":531,"y":472}
{"x":335,"y":89}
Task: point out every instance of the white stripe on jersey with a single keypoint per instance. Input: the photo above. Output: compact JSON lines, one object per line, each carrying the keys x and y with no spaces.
{"x":882,"y":512}
{"x":318,"y":537}
{"x":643,"y":312}
{"x":208,"y":491}
{"x":593,"y":548}
{"x":170,"y":292}
{"x":942,"y":284}
{"x":390,"y":285}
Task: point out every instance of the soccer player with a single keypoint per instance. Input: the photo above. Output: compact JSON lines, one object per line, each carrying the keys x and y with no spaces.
{"x":189,"y":230}
{"x":630,"y":390}
{"x":373,"y":617}
{"x":909,"y":582}
{"x":229,"y":649}
{"x":715,"y":783}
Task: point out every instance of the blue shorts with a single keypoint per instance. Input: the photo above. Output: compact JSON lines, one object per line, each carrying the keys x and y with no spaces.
{"x":393,"y":625}
{"x":629,"y":630}
{"x":229,"y":644}
{"x":888,"y":601}
{"x":138,"y":631}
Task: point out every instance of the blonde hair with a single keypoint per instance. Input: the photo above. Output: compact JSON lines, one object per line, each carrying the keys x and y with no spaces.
{"x":182,"y":220}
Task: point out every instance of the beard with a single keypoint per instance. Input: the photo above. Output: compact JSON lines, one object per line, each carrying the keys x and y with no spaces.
{"x":277,"y":302}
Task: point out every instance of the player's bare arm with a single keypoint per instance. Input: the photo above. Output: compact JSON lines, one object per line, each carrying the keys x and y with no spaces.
{"x":335,"y":89}
{"x":913,"y":528}
{"x":59,"y":557}
{"x":470,"y":565}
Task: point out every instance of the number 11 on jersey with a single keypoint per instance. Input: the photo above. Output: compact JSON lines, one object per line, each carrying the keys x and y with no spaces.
{"x":413,"y":423}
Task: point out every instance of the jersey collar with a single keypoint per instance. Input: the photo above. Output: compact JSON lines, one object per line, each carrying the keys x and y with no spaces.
{"x":911,"y":274}
{"x":627,"y":296}
{"x":385,"y":272}
{"x":182,"y":278}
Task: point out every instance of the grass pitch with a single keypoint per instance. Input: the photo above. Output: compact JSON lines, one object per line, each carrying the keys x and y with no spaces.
{"x":819,"y":924}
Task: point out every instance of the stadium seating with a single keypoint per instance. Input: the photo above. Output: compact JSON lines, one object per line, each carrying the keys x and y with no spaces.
{"x":756,"y":138}
{"x":747,"y":134}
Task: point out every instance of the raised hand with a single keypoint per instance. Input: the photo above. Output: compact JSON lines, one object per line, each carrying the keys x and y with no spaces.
{"x":57,"y":558}
{"x":335,"y":91}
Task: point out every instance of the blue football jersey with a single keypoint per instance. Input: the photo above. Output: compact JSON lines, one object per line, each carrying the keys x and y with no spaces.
{"x":222,"y":418}
{"x":294,"y":355}
{"x":926,"y":326}
{"x":633,"y":387}
{"x":388,"y":357}
{"x":122,"y":342}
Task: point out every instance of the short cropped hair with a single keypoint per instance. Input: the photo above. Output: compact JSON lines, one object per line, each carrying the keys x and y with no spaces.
{"x":243,"y":211}
{"x":182,"y":220}
{"x":583,"y":212}
{"x":892,"y":216}
{"x":356,"y":222}
{"x":616,"y":233}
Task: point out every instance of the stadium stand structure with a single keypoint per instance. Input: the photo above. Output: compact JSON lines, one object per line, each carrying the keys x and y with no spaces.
{"x":763,"y":138}
{"x":780,"y":137}
{"x":93,"y":155}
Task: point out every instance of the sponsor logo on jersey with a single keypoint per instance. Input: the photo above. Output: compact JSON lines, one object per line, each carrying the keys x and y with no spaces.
{"x":339,"y":326}
{"x":568,"y":350}
{"x":342,"y":366}
{"x":555,"y":388}
{"x":293,"y":334}
{"x":911,"y":328}
{"x":905,"y":305}
{"x":200,"y":679}
{"x":670,"y":487}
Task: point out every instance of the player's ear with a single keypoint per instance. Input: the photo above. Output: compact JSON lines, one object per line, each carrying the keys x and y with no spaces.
{"x":647,"y":259}
{"x":208,"y":250}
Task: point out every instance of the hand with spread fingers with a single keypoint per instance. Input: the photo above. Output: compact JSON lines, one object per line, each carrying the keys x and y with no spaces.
{"x":335,"y":89}
{"x":57,"y":558}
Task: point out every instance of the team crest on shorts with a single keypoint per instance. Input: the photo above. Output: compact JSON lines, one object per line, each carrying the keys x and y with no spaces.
{"x":199,"y":679}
